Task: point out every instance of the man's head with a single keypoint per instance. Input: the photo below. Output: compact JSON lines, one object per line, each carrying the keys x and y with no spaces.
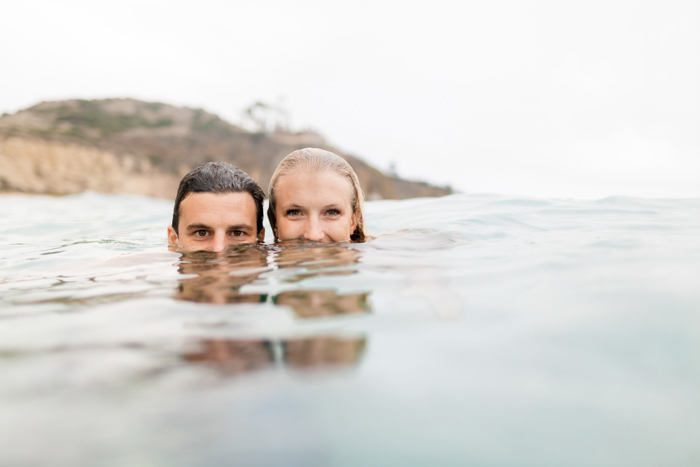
{"x":216,"y":205}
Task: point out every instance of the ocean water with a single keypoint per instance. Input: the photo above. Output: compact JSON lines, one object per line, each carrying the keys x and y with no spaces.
{"x":476,"y":330}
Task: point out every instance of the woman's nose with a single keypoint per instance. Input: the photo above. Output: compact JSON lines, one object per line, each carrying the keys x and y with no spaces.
{"x":313,"y":230}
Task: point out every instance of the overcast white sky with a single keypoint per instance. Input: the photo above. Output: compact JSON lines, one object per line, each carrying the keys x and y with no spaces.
{"x":578,"y":99}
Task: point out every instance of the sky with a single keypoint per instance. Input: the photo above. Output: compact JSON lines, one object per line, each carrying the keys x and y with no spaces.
{"x":529,"y":98}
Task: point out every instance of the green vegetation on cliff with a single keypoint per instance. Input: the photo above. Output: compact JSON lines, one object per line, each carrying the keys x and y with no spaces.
{"x":169,"y":141}
{"x":89,"y":114}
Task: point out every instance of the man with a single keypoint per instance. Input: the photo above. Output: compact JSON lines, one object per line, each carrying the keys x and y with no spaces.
{"x":217,"y":205}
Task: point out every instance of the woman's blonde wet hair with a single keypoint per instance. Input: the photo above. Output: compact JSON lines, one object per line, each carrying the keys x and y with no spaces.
{"x":318,"y":160}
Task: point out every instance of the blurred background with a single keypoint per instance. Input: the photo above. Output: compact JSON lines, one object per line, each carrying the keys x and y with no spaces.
{"x":532,"y":98}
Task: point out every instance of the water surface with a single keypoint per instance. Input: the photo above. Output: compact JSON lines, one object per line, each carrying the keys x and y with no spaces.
{"x":473,"y":330}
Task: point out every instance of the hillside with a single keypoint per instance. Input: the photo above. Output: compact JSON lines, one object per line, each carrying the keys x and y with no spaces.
{"x":130,"y":146}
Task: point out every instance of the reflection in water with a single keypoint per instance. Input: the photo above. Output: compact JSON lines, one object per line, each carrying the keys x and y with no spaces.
{"x":316,"y":261}
{"x":219,"y":278}
{"x":232,"y":356}
{"x":323,"y":351}
{"x":317,"y":303}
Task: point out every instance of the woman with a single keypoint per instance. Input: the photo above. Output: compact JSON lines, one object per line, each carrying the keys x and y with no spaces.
{"x":315,"y":195}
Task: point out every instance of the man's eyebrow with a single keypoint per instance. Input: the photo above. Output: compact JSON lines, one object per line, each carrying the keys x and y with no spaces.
{"x":230,"y":227}
{"x":198,"y":227}
{"x":239,"y":227}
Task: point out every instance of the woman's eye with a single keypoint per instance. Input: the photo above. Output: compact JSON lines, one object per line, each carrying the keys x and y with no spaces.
{"x":333,"y":212}
{"x":293,"y":212}
{"x":200,"y":233}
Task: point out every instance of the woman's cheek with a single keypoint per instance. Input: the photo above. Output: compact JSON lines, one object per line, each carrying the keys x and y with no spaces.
{"x":339,"y":230}
{"x":288,"y":229}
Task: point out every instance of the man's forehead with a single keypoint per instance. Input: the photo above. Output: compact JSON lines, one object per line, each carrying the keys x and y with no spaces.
{"x":217,"y":206}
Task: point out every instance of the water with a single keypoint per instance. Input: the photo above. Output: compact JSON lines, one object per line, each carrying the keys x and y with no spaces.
{"x":474,"y":330}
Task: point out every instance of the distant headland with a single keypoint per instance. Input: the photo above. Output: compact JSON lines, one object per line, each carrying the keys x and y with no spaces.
{"x":135,"y":147}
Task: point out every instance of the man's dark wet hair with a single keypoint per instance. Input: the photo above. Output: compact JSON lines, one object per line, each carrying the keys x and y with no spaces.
{"x":218,"y":177}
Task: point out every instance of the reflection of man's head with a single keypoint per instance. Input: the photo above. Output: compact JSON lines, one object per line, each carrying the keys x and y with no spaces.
{"x":220,"y":276}
{"x":217,"y":205}
{"x":234,"y":356}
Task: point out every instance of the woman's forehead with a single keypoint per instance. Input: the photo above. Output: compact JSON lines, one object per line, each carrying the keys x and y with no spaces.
{"x":320,"y":187}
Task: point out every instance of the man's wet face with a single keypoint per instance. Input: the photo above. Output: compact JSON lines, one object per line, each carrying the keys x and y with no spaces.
{"x":212,"y":221}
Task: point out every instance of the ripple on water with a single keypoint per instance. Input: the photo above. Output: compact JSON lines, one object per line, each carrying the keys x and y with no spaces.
{"x":468,"y":323}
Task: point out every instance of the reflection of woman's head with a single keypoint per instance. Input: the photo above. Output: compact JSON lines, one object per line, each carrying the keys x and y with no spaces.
{"x":315,"y":195}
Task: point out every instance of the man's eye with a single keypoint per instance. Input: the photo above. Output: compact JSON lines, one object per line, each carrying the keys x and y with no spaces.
{"x":293,"y":212}
{"x":237,"y":233}
{"x":200,"y":233}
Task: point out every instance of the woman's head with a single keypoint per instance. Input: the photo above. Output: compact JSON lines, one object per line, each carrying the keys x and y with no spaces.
{"x":315,"y":195}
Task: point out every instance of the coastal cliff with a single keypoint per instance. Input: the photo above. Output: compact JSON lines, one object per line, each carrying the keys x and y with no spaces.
{"x":135,"y":147}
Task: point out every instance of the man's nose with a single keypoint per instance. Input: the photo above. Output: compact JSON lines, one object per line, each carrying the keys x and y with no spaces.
{"x":218,"y":243}
{"x":313,"y":230}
